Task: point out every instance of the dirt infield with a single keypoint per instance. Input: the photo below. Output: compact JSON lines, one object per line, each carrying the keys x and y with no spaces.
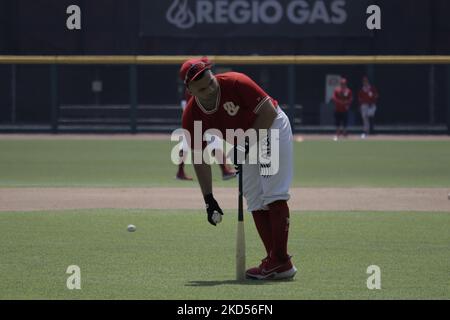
{"x":302,"y":199}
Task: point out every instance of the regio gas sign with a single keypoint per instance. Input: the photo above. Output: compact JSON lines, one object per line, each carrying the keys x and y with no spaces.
{"x":185,"y":14}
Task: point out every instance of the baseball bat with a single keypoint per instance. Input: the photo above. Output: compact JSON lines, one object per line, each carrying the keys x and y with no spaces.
{"x":240,"y":236}
{"x":240,"y":240}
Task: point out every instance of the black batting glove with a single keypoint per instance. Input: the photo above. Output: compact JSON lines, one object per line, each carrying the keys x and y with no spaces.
{"x":211,"y":207}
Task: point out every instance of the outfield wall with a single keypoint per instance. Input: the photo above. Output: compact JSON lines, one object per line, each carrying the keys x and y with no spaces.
{"x":142,"y":93}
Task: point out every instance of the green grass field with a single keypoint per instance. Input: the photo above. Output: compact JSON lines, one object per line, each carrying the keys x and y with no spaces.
{"x":140,"y":163}
{"x":177,"y":255}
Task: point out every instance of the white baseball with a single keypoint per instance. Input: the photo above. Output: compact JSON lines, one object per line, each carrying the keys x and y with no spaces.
{"x":216,"y":217}
{"x":131,"y":228}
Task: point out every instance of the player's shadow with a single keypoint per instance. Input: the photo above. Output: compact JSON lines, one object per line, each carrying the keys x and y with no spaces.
{"x":247,"y":282}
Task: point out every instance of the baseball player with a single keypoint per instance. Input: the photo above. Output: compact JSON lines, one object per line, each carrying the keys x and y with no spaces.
{"x":232,"y":100}
{"x":367,"y":96}
{"x":342,"y":98}
{"x":227,"y":173}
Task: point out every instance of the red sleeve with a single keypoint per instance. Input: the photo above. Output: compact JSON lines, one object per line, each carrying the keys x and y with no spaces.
{"x":251,"y":94}
{"x":188,"y":124}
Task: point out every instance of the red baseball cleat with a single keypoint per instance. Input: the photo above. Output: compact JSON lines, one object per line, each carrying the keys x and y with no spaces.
{"x":182,"y":176}
{"x":270,"y":269}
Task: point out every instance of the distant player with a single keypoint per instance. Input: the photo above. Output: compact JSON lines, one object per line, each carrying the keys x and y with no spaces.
{"x":342,"y":98}
{"x":232,"y":100}
{"x":367,"y":96}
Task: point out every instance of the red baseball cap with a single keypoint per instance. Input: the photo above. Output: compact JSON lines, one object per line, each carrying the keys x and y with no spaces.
{"x":192,"y":68}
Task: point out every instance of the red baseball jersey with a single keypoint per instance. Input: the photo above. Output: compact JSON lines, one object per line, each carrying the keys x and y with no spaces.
{"x":342,"y":99}
{"x":368,"y":95}
{"x":238,"y":101}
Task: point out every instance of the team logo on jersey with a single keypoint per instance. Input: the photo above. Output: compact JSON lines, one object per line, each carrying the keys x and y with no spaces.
{"x":231,"y":108}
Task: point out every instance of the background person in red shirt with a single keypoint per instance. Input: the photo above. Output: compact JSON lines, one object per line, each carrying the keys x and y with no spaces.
{"x":367,"y":96}
{"x":232,"y":100}
{"x":342,"y":98}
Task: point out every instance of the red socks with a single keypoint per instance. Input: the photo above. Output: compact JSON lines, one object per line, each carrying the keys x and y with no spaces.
{"x":262,"y":222}
{"x":279,"y":221}
{"x":273,"y":229}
